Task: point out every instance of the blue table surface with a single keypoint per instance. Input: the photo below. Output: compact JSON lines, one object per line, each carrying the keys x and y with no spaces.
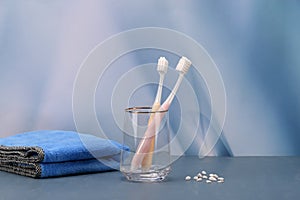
{"x":245,"y":178}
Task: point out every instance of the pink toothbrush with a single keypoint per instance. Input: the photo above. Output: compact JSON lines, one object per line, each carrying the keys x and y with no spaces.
{"x":162,"y":68}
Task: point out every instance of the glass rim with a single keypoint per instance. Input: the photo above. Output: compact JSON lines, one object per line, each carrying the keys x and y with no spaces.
{"x":143,"y":110}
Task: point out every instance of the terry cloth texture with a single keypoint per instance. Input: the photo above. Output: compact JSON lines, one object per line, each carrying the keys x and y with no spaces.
{"x":49,"y":153}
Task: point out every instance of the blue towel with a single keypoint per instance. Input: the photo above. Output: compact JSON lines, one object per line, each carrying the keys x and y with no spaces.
{"x":41,"y":154}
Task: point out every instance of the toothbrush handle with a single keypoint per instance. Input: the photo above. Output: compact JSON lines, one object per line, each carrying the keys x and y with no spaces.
{"x":159,"y":89}
{"x":147,"y":162}
{"x":145,"y":143}
{"x":174,"y":91}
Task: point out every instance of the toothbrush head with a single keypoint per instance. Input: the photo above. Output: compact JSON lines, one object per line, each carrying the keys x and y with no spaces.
{"x":183,"y":65}
{"x":162,"y":65}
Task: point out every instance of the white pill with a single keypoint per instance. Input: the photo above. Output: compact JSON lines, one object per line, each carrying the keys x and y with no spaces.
{"x":208,"y":181}
{"x":205,"y":177}
{"x":199,"y":175}
{"x":220,"y":178}
{"x":199,"y":179}
{"x":211,"y":174}
{"x":219,"y":181}
{"x":195,"y":177}
{"x":187,"y":178}
{"x":212,"y":178}
{"x":203,"y":172}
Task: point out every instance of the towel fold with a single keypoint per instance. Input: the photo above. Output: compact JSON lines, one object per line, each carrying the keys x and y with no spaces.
{"x":42,"y":154}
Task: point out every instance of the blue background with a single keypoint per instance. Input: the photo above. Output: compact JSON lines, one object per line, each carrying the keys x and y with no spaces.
{"x":255,"y":44}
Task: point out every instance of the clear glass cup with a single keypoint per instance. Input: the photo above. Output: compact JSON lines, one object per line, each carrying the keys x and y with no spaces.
{"x":147,"y":134}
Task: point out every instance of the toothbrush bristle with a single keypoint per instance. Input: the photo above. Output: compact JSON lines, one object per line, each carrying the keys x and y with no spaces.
{"x":162,"y":65}
{"x":183,"y":65}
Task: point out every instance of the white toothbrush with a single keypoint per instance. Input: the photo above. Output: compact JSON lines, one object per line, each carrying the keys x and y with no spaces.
{"x":182,"y":67}
{"x":145,"y":144}
{"x":162,"y":68}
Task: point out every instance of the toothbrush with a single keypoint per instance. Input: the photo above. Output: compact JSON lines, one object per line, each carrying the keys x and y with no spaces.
{"x":182,"y":67}
{"x":162,"y":68}
{"x":145,"y":144}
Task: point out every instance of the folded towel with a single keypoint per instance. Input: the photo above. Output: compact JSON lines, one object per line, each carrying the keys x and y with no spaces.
{"x":41,"y":154}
